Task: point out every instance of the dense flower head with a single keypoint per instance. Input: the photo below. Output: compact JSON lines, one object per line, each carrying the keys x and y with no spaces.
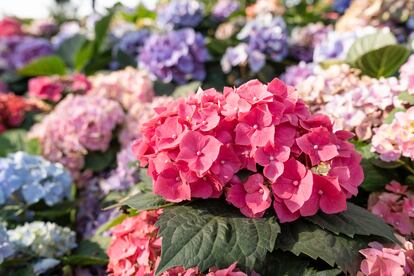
{"x":391,"y":141}
{"x":234,"y":56}
{"x":224,"y":8}
{"x":353,"y":101}
{"x":6,"y":247}
{"x":303,"y":40}
{"x":266,"y":36}
{"x":12,"y":110}
{"x":181,"y":13}
{"x":75,"y":127}
{"x":381,"y":260}
{"x":132,"y":42}
{"x":32,"y":179}
{"x":42,"y":239}
{"x":205,"y":145}
{"x":341,"y":5}
{"x":296,"y":74}
{"x":53,"y":88}
{"x":10,"y":26}
{"x":407,"y":74}
{"x":175,"y":56}
{"x":395,"y":206}
{"x":126,"y":86}
{"x":135,"y":249}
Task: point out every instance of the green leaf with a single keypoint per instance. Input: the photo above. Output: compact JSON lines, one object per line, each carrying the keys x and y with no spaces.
{"x":83,"y":55}
{"x":108,"y":225}
{"x":369,"y":43}
{"x":301,"y":237}
{"x":70,"y":47}
{"x":44,"y":66}
{"x":98,"y":161}
{"x":329,"y":272}
{"x":143,"y":202}
{"x":283,"y":264}
{"x":89,"y":252}
{"x":383,"y":62}
{"x":211,"y":233}
{"x":57,"y":210}
{"x":33,"y":147}
{"x":391,"y":115}
{"x":354,"y":221}
{"x":16,"y":140}
{"x":407,"y":97}
{"x":385,"y":165}
{"x":186,"y":89}
{"x":101,"y":29}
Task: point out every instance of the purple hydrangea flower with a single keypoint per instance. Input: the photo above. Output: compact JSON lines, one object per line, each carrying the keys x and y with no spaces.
{"x":234,"y":56}
{"x":132,"y":42}
{"x":176,"y":56}
{"x":224,"y":8}
{"x":295,"y":74}
{"x":266,"y":37}
{"x":30,"y":49}
{"x":181,"y":13}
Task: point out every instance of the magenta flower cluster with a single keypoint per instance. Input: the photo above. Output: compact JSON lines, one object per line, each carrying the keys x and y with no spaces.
{"x":258,"y":144}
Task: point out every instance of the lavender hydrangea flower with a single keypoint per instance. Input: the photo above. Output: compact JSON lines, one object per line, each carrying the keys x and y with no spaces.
{"x":176,"y":56}
{"x":266,"y":37}
{"x":132,"y":42}
{"x":295,"y":74}
{"x":234,"y":56}
{"x":6,"y":247}
{"x":67,"y":30}
{"x":32,"y":178}
{"x":224,"y":8}
{"x":181,"y":13}
{"x":29,"y":50}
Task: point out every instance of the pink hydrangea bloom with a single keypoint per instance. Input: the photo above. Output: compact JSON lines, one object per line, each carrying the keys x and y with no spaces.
{"x":200,"y":146}
{"x":10,"y":26}
{"x":407,"y":74}
{"x":75,"y":127}
{"x":391,"y":141}
{"x":126,"y":86}
{"x":380,"y":260}
{"x":135,"y":249}
{"x":395,"y":207}
{"x":45,"y":88}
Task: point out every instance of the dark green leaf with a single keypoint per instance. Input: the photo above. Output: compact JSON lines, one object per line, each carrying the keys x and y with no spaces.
{"x":385,"y":165}
{"x":283,"y":264}
{"x":101,"y":29}
{"x":44,"y":66}
{"x":83,"y":56}
{"x":211,"y":233}
{"x":143,"y":202}
{"x":383,"y":62}
{"x":301,"y":237}
{"x":70,"y":47}
{"x":98,"y":161}
{"x":369,"y":43}
{"x":186,"y":89}
{"x":89,"y":252}
{"x":329,"y":272}
{"x":354,"y":221}
{"x":409,"y":180}
{"x":57,"y":210}
{"x":407,"y":97}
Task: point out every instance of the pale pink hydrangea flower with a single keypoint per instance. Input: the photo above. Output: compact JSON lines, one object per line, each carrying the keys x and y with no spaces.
{"x":391,"y":141}
{"x":78,"y":125}
{"x":202,"y":146}
{"x":126,"y":86}
{"x":407,"y":74}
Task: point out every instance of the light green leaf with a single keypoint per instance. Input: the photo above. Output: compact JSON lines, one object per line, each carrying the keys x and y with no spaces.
{"x":101,"y":29}
{"x":44,"y":66}
{"x":383,"y":62}
{"x":354,"y":221}
{"x":391,"y":115}
{"x":108,"y":225}
{"x":16,"y":140}
{"x":211,"y":233}
{"x":186,"y":89}
{"x":143,"y":202}
{"x":369,"y":43}
{"x":83,"y":56}
{"x":301,"y":237}
{"x":407,"y":97}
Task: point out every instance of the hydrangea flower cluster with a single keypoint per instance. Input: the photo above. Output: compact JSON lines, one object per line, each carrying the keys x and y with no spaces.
{"x":380,"y":260}
{"x":132,"y":42}
{"x":201,"y":146}
{"x":12,"y":111}
{"x":391,"y":141}
{"x":18,"y":51}
{"x":42,"y":239}
{"x":137,"y":115}
{"x":224,"y":8}
{"x":6,"y":247}
{"x":135,"y":249}
{"x":76,"y":127}
{"x":55,"y":87}
{"x":266,"y":36}
{"x":180,"y":14}
{"x":10,"y":27}
{"x":407,"y":74}
{"x":32,"y":179}
{"x":351,"y":100}
{"x":126,"y":86}
{"x":45,"y":27}
{"x":395,"y":207}
{"x":303,"y":40}
{"x":175,"y":56}
{"x":296,"y":74}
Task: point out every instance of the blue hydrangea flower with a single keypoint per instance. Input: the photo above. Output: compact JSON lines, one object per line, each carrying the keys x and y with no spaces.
{"x":132,"y":42}
{"x":266,"y":37}
{"x":42,"y":239}
{"x":6,"y":247}
{"x":181,"y":13}
{"x":32,"y":178}
{"x":340,"y":6}
{"x":176,"y":56}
